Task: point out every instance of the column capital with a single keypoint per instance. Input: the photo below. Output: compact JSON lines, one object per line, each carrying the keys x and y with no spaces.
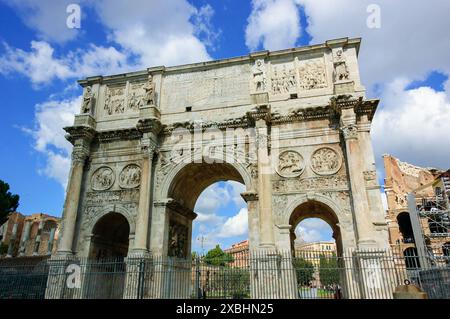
{"x":79,"y":155}
{"x":249,"y":196}
{"x":148,"y":148}
{"x":350,"y":131}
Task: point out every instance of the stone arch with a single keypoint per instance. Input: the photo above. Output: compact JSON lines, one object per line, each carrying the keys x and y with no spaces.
{"x":96,"y":215}
{"x":110,"y":236}
{"x":299,"y":200}
{"x":333,"y":215}
{"x":405,"y":227}
{"x":180,"y":190}
{"x":242,"y":168}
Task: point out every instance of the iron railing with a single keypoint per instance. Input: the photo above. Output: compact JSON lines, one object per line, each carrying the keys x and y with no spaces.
{"x":304,"y":274}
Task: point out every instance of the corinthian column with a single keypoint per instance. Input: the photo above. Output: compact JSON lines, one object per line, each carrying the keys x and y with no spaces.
{"x":81,"y":138}
{"x":142,"y":222}
{"x":150,"y":128}
{"x":355,"y":164}
{"x":264,"y":185}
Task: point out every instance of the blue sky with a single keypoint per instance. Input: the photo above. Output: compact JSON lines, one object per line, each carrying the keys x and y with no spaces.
{"x":404,"y":64}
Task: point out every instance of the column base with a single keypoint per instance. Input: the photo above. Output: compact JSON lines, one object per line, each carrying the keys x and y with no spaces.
{"x":366,"y":243}
{"x":58,"y":285}
{"x":137,"y":263}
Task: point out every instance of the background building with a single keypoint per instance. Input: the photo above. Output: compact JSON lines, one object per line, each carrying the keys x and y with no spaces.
{"x":428,"y":185}
{"x":33,"y":235}
{"x":240,"y":254}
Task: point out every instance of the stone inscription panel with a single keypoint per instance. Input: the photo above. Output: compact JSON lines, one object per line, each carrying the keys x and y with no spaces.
{"x":206,"y":89}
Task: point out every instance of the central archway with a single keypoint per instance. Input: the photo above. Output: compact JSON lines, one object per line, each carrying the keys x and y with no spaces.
{"x":185,"y":188}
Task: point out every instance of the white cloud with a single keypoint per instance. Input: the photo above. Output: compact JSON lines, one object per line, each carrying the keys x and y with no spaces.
{"x":159,"y":33}
{"x":413,"y":125}
{"x":212,"y":198}
{"x":47,"y":17}
{"x":42,"y":66}
{"x":39,"y":63}
{"x":145,"y":34}
{"x":48,"y":135}
{"x":402,"y":47}
{"x":274,"y":24}
{"x":206,"y":219}
{"x":211,"y":223}
{"x":236,"y":225}
{"x":312,"y":230}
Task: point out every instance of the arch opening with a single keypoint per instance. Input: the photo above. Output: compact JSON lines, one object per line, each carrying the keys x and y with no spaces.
{"x":186,"y":193}
{"x":316,"y":210}
{"x":317,"y":249}
{"x":411,"y":258}
{"x":405,"y":227}
{"x":110,"y":237}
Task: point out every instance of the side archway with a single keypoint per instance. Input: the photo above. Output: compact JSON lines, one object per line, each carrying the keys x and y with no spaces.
{"x":110,"y":237}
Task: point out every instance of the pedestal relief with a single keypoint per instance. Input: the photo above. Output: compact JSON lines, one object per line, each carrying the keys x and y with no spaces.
{"x":290,"y":164}
{"x":130,"y":176}
{"x":325,"y":161}
{"x":102,"y":179}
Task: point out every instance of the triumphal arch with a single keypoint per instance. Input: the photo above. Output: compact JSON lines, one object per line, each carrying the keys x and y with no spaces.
{"x":293,"y":126}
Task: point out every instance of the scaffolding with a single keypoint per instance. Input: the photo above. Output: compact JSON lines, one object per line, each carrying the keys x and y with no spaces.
{"x":436,"y":212}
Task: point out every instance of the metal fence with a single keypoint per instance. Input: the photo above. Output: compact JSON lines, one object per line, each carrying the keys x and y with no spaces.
{"x":304,"y":275}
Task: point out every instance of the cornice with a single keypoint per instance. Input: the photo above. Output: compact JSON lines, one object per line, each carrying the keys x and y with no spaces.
{"x":79,"y":132}
{"x":117,"y":135}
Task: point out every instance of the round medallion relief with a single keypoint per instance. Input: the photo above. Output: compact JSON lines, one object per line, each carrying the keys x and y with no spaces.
{"x":130,"y":176}
{"x":102,"y":179}
{"x":290,"y":164}
{"x":325,"y":161}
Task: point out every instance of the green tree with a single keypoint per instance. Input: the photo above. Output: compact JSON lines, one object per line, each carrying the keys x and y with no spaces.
{"x":217,"y":257}
{"x":328,"y":270}
{"x":8,"y":202}
{"x":304,"y":270}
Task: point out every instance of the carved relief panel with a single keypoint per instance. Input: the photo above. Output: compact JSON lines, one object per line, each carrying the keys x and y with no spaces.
{"x":114,"y":100}
{"x":178,"y":240}
{"x":325,"y":161}
{"x":312,"y":75}
{"x":102,"y":179}
{"x":124,"y":98}
{"x":283,"y":79}
{"x":136,"y":95}
{"x":290,"y":164}
{"x":130,"y":176}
